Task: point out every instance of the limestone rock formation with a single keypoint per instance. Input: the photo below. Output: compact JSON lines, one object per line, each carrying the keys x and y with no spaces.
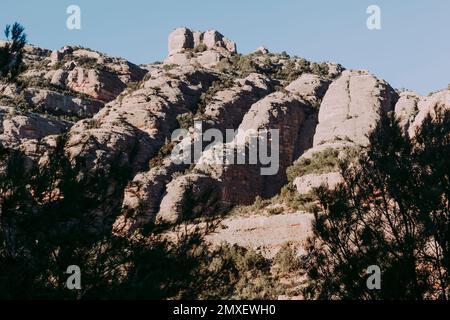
{"x":134,"y":127}
{"x":181,"y":39}
{"x":311,"y":87}
{"x":120,"y":117}
{"x":72,"y":82}
{"x":15,"y":128}
{"x":187,"y":196}
{"x":406,"y":109}
{"x":58,"y":103}
{"x":351,"y":108}
{"x":229,"y":106}
{"x":428,"y":106}
{"x":195,"y":47}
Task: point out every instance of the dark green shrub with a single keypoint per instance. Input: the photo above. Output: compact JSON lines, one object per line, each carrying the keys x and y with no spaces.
{"x":11,"y":55}
{"x":286,"y":259}
{"x":320,"y":162}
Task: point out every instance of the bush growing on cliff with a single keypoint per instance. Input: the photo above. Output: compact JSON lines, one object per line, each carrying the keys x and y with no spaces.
{"x":207,"y":97}
{"x":238,"y":65}
{"x":233,"y":272}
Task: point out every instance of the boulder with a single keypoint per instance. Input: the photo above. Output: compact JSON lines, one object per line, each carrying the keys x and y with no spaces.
{"x":62,"y":104}
{"x":59,"y":78}
{"x":209,"y":58}
{"x":183,"y":42}
{"x":213,"y":39}
{"x":188,"y":196}
{"x":262,"y":50}
{"x":198,"y":38}
{"x":311,"y":87}
{"x":406,"y":108}
{"x":180,"y":59}
{"x":230,"y":45}
{"x":97,"y":84}
{"x":179,"y":40}
{"x":229,"y":106}
{"x":15,"y":128}
{"x":351,"y":108}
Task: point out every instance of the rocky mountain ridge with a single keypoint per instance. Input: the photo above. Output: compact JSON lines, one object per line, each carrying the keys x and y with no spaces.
{"x":114,"y":112}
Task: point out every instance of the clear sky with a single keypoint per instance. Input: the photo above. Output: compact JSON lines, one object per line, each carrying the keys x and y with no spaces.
{"x":412,"y":50}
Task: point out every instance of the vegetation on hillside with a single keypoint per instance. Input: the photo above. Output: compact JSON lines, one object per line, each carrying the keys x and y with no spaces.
{"x":277,"y":66}
{"x":392,"y":211}
{"x":11,"y":54}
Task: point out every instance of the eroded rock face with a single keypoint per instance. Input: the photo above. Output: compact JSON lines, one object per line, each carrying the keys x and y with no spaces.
{"x":311,"y":87}
{"x":122,"y":120}
{"x":138,"y":124}
{"x":406,"y":109}
{"x":350,"y":110}
{"x":351,"y":107}
{"x":71,"y":56}
{"x":188,"y":196}
{"x":194,"y":47}
{"x":71,"y":82}
{"x":230,"y":105}
{"x":240,"y":184}
{"x":16,"y":128}
{"x":428,"y":106}
{"x":143,"y":196}
{"x":97,"y":84}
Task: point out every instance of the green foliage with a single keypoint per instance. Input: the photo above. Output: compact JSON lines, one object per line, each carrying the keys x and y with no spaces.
{"x":320,"y":162}
{"x":11,"y":55}
{"x":295,"y":201}
{"x":320,"y":69}
{"x":200,"y":48}
{"x":163,"y":152}
{"x":186,"y":120}
{"x":287,"y":259}
{"x":207,"y":97}
{"x":19,"y":102}
{"x":275,"y":210}
{"x":238,"y":65}
{"x":392,"y":211}
{"x":168,"y":67}
{"x":233,"y":272}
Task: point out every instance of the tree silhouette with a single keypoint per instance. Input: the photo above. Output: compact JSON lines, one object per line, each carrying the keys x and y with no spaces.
{"x":391,"y":211}
{"x":49,"y":221}
{"x":11,"y":55}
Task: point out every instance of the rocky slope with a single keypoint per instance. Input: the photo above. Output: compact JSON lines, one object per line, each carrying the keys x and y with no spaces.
{"x":114,"y":111}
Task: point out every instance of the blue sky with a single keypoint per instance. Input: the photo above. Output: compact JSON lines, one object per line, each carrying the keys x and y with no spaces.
{"x":412,"y":50}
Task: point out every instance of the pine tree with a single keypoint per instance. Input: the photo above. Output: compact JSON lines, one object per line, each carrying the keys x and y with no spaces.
{"x":11,"y":55}
{"x":392,"y":211}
